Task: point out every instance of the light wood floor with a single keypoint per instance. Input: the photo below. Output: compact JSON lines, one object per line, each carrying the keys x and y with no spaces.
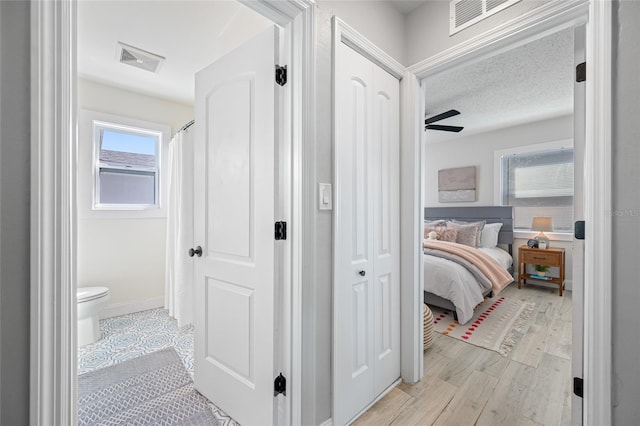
{"x":469,"y":385}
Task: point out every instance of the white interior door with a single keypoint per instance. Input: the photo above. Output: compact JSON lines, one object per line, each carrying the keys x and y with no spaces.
{"x":235,"y":198}
{"x":366,"y":349}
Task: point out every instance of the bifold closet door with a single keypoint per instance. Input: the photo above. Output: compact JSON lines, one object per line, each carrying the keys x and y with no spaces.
{"x":366,"y":285}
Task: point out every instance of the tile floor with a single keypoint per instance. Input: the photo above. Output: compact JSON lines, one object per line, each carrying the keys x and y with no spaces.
{"x":130,"y":336}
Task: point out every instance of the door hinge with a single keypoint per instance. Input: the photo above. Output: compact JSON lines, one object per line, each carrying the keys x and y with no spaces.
{"x":581,"y":72}
{"x":281,"y":75}
{"x":578,"y":231}
{"x":281,"y":230}
{"x":280,"y":385}
{"x":578,"y":386}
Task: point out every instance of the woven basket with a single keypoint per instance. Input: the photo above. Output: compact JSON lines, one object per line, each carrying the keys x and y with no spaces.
{"x":428,"y":326}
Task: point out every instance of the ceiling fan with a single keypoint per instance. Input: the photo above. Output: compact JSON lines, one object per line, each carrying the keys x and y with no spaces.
{"x":447,"y":114}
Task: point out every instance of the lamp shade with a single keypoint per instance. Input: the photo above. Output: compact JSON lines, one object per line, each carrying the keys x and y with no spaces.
{"x":542,"y":224}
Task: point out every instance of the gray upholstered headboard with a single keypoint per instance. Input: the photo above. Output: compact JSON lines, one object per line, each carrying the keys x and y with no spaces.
{"x":490,"y":214}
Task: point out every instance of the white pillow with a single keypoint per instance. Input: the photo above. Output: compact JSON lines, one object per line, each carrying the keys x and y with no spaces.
{"x":489,"y":236}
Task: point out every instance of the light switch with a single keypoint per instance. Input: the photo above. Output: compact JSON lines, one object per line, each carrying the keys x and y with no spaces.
{"x":324,"y":196}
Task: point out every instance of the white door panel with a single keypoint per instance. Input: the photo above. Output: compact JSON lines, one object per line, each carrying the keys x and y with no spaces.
{"x":386,"y":223}
{"x":230,"y":154}
{"x":366,"y":288}
{"x":354,"y":299}
{"x":234,"y":219}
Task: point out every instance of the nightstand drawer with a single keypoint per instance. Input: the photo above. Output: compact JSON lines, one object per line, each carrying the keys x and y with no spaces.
{"x":546,"y":257}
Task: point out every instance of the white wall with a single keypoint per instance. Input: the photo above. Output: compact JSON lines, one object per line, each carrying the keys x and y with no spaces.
{"x":126,"y":255}
{"x":478,"y":150}
{"x":112,"y":100}
{"x":378,"y":21}
{"x":383,"y":25}
{"x":427,"y":27}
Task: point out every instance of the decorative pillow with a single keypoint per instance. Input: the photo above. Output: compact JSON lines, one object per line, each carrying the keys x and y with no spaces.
{"x":467,"y":234}
{"x":444,"y":234}
{"x":435,"y":223}
{"x":429,"y":226}
{"x":489,"y":237}
{"x":479,"y":224}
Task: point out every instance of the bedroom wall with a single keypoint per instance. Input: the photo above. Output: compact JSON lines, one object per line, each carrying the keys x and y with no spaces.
{"x":626,"y":212}
{"x":478,"y":150}
{"x":383,"y":25}
{"x":126,"y":255}
{"x":427,"y":27}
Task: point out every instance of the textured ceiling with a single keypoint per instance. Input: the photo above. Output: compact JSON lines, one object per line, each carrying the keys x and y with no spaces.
{"x":530,"y":83}
{"x":189,"y":34}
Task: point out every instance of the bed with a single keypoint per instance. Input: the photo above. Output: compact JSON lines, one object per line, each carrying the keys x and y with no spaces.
{"x":461,"y":288}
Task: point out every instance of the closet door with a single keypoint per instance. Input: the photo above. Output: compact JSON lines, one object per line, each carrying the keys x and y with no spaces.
{"x":366,"y":351}
{"x":385,"y":190}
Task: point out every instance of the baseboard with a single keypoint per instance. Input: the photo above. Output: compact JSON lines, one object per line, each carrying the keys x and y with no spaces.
{"x":125,"y":308}
{"x":328,"y":422}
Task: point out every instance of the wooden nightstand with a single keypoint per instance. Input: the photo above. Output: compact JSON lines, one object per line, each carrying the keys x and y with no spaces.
{"x":550,"y":257}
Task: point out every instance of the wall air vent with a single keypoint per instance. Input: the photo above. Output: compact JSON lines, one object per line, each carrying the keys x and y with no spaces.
{"x":138,"y":58}
{"x":464,"y":13}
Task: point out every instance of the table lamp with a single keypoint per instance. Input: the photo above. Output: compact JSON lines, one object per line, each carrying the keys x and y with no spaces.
{"x":542,"y":224}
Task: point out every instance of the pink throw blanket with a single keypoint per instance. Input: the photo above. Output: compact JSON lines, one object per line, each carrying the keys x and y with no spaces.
{"x":497,"y":275}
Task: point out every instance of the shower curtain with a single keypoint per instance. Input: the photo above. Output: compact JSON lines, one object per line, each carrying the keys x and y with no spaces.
{"x":179,"y":266}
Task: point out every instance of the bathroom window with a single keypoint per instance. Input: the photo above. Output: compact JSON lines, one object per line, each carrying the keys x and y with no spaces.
{"x":122,"y":168}
{"x":127,"y":167}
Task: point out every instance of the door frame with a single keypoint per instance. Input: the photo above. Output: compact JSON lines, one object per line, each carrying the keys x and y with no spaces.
{"x":53,"y":370}
{"x":544,"y":20}
{"x":343,"y":33}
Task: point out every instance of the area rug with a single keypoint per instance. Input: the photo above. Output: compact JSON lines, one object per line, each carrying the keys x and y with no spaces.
{"x":496,"y":324}
{"x":150,"y":390}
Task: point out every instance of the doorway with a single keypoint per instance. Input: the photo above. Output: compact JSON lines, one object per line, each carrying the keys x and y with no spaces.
{"x":520,"y":31}
{"x":533,"y":137}
{"x":295,"y":18}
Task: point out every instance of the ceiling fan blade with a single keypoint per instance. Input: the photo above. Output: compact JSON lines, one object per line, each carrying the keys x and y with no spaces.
{"x":444,"y":128}
{"x":447,"y":114}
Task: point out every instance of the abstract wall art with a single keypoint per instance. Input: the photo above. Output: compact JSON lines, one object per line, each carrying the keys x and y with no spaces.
{"x":457,"y":185}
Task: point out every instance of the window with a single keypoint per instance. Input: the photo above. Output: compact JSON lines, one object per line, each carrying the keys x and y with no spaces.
{"x":122,"y":167}
{"x":538,"y":182}
{"x":127,"y":167}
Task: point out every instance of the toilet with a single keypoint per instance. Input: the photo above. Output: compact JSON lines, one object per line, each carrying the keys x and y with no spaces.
{"x":91,"y":301}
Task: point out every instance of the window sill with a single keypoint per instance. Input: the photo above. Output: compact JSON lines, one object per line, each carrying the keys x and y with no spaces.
{"x":553,"y":236}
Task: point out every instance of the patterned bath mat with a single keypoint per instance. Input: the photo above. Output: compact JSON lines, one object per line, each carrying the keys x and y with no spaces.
{"x":496,"y":324}
{"x":150,"y":390}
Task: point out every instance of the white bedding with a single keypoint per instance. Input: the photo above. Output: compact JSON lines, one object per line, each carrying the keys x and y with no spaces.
{"x":502,"y":256}
{"x":454,"y":282}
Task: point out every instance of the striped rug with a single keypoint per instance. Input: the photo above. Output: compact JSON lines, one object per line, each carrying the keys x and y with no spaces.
{"x":496,"y":324}
{"x":153,"y":389}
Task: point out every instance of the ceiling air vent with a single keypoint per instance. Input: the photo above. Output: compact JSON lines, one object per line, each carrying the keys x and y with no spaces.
{"x":138,"y":58}
{"x":464,"y":13}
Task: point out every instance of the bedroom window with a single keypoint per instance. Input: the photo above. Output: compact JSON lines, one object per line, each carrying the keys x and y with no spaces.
{"x":539,"y":183}
{"x":127,"y":171}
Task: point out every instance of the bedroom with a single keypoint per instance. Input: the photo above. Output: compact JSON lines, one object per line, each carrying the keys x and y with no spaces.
{"x":518,"y":103}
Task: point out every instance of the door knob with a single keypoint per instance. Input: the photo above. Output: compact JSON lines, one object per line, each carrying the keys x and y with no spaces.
{"x":198,"y":251}
{"x":362,"y":273}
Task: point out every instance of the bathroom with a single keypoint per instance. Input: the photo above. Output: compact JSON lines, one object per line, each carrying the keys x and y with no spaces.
{"x":124,"y":250}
